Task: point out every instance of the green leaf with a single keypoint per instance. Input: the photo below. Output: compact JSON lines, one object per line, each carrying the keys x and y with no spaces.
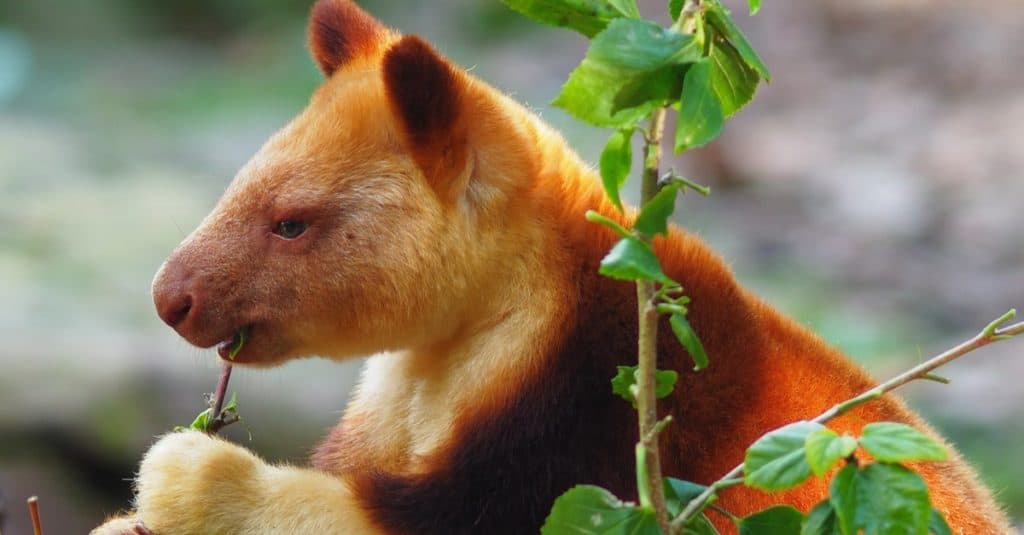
{"x":892,"y":500}
{"x":843,"y":497}
{"x":821,"y":521}
{"x":625,"y":383}
{"x":824,"y":448}
{"x":720,"y":19}
{"x":635,"y":46}
{"x":937,"y":525}
{"x":626,"y":8}
{"x":778,"y":520}
{"x":593,"y":510}
{"x":675,"y":7}
{"x":777,"y":461}
{"x":589,"y":95}
{"x":588,"y":17}
{"x":678,"y":493}
{"x":700,"y":117}
{"x":654,"y":216}
{"x":650,"y":90}
{"x":628,"y":71}
{"x":755,"y":6}
{"x":688,"y":338}
{"x":631,"y":259}
{"x":232,"y":405}
{"x":732,"y":80}
{"x":616,"y":159}
{"x":894,"y":442}
{"x":881,"y":499}
{"x":202,"y":421}
{"x":595,"y":217}
{"x":664,"y":382}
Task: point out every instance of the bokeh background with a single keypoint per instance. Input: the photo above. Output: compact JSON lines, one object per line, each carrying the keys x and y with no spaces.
{"x":874,"y":191}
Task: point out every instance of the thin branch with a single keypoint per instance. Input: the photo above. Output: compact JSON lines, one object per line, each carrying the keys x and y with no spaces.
{"x":990,"y":334}
{"x":33,"y":512}
{"x":649,"y":482}
{"x":222,"y":389}
{"x":219,"y":420}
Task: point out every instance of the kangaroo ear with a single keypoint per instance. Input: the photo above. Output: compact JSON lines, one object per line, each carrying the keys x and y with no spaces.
{"x":339,"y":31}
{"x":426,"y":94}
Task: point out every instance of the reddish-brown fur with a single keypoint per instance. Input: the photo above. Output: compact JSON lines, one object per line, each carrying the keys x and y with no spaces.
{"x":446,"y":226}
{"x":340,"y":32}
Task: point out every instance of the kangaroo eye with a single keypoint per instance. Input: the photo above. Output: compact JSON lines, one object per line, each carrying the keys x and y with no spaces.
{"x":290,"y":229}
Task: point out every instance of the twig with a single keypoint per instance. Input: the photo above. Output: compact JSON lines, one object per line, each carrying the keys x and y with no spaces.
{"x":33,"y":511}
{"x":991,"y":333}
{"x":649,"y":481}
{"x":219,"y":420}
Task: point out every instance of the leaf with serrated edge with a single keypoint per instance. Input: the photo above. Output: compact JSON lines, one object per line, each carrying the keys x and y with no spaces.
{"x":777,"y":461}
{"x":630,"y":61}
{"x":641,"y":46}
{"x":777,"y":520}
{"x":895,"y":442}
{"x":721,"y":20}
{"x":593,"y":510}
{"x":625,"y":380}
{"x":733,"y":82}
{"x":824,"y":448}
{"x":700,"y":118}
{"x":892,"y":499}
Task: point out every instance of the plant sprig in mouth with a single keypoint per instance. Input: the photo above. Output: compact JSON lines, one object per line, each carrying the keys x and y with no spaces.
{"x":230,"y":349}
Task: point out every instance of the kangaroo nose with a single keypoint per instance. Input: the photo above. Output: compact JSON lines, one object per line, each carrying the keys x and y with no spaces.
{"x":172,"y":293}
{"x":173,"y":308}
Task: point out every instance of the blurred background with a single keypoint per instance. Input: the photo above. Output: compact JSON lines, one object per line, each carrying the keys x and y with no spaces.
{"x":874,"y":191}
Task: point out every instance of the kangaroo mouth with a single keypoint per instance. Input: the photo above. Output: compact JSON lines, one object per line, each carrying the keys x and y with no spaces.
{"x":229,"y":349}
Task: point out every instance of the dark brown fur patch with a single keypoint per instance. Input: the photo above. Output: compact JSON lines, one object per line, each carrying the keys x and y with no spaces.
{"x":340,"y":31}
{"x":509,"y":463}
{"x":422,"y":88}
{"x":425,"y":93}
